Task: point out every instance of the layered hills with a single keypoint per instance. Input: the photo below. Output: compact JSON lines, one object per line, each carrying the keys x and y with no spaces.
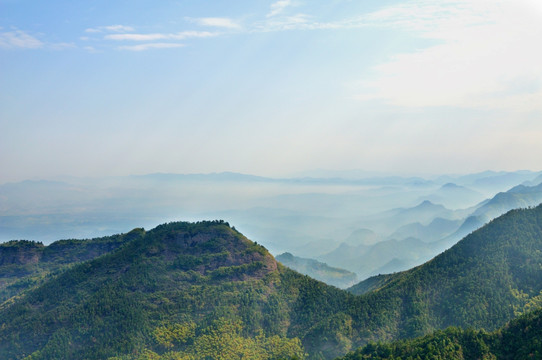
{"x":435,"y":230}
{"x":195,"y":290}
{"x":488,"y":277}
{"x":318,"y":270}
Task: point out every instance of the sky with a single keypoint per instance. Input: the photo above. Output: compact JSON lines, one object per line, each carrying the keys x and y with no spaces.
{"x":107,"y":88}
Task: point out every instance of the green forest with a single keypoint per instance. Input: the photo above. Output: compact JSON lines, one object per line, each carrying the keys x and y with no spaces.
{"x":519,"y":339}
{"x":204,"y":291}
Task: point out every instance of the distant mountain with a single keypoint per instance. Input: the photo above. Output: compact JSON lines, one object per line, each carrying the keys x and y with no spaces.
{"x":469,"y":225}
{"x":416,"y":234}
{"x":534,"y":182}
{"x":395,"y":265}
{"x":437,"y":229}
{"x":489,"y":182}
{"x":388,"y":255}
{"x":424,"y":212}
{"x":455,"y":196}
{"x":504,"y":180}
{"x":362,"y":237}
{"x":179,"y":288}
{"x":387,"y":222}
{"x":518,"y":197}
{"x":494,"y":273}
{"x":320,"y":271}
{"x":519,"y":339}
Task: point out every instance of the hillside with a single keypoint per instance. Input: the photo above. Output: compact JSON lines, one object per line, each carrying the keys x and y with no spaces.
{"x":483,"y":281}
{"x":318,"y":270}
{"x":26,"y":264}
{"x":180,"y":287}
{"x":170,"y":290}
{"x":519,"y":339}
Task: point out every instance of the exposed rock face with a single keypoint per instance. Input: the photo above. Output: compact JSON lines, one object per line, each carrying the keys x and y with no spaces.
{"x":20,"y":252}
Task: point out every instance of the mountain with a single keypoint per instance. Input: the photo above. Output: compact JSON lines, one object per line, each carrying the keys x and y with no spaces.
{"x":491,"y":182}
{"x":320,"y":271}
{"x":534,"y":182}
{"x":424,"y":212}
{"x":173,"y":291}
{"x":484,"y":280}
{"x":388,"y":255}
{"x":503,"y":180}
{"x":372,"y":284}
{"x":519,"y":339}
{"x":437,"y":229}
{"x":455,"y":196}
{"x":25,"y":264}
{"x":425,"y":209}
{"x":362,"y":237}
{"x":176,"y":290}
{"x":518,"y":197}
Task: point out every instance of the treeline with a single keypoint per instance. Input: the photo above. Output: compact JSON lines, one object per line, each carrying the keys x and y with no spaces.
{"x":141,"y":298}
{"x":520,"y":339}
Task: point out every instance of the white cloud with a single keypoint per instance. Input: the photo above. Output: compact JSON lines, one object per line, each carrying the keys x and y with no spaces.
{"x":136,"y":37}
{"x":159,"y":36}
{"x":143,"y":47}
{"x":278,"y":7}
{"x":118,"y":28}
{"x":110,"y":28}
{"x":18,"y":39}
{"x":92,"y":30}
{"x":217,"y":22}
{"x":298,"y":21}
{"x":91,"y":49}
{"x":487,"y":56}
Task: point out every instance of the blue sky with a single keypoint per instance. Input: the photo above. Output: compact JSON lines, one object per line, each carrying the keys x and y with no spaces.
{"x":98,"y":88}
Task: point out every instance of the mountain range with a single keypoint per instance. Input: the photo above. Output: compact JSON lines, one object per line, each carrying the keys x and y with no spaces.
{"x":438,"y":228}
{"x":195,"y":290}
{"x":318,"y":270}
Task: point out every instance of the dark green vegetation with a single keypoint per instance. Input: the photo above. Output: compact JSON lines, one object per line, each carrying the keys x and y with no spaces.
{"x":183,"y":291}
{"x":520,"y":339}
{"x":373,"y":283}
{"x":175,"y":291}
{"x":25,"y":264}
{"x":486,"y":279}
{"x":318,"y":270}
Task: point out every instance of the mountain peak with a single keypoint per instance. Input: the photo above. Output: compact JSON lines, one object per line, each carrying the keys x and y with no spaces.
{"x":210,"y":248}
{"x":426,"y":203}
{"x":451,"y":186}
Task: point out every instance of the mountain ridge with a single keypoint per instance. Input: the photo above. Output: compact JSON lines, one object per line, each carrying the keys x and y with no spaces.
{"x":191,"y":275}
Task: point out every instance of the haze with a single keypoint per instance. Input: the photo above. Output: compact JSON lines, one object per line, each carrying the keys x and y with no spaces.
{"x":268,"y":87}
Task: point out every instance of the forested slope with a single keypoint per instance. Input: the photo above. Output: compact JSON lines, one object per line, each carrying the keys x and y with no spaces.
{"x":26,"y":264}
{"x":173,"y":291}
{"x":520,"y":339}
